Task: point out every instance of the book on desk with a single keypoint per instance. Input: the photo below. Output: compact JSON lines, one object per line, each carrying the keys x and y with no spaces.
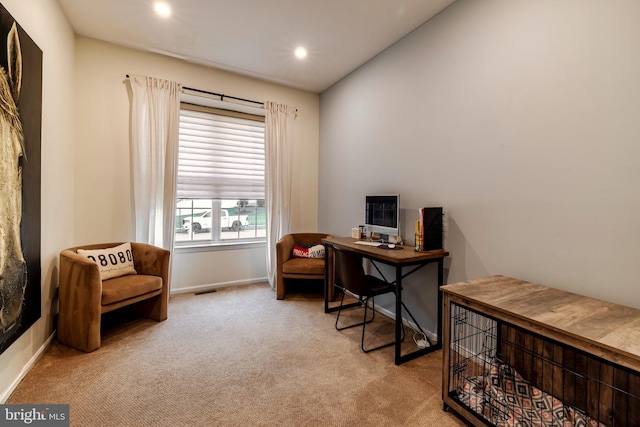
{"x":429,"y":229}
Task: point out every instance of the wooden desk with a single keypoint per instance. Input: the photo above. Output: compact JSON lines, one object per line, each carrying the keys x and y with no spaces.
{"x":407,"y":257}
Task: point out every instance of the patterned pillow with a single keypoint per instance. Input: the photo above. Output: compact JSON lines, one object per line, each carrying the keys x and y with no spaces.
{"x":112,"y":262}
{"x":311,"y":251}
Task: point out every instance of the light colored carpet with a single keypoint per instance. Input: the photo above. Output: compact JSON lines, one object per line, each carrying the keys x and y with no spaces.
{"x":239,"y":357}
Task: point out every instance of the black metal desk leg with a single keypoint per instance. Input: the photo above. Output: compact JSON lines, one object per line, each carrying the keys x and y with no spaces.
{"x":398,"y":346}
{"x":440,"y":303}
{"x":326,"y":278}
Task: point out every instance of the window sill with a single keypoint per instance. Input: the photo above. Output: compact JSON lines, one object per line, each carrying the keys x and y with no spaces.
{"x":210,"y":247}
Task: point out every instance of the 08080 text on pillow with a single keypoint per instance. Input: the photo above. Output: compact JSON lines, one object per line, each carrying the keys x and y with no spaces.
{"x":112,"y":262}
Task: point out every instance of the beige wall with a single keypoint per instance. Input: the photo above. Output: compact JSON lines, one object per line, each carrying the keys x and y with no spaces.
{"x":45,"y":24}
{"x":103,"y":199}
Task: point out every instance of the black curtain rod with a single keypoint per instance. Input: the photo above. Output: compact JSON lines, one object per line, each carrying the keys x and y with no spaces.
{"x":221,"y":95}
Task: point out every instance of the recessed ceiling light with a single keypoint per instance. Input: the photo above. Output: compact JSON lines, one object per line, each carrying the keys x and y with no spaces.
{"x":301,"y":52}
{"x":162,"y":9}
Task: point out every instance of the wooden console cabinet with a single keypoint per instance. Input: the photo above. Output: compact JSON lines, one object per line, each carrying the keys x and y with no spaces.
{"x":580,"y":354}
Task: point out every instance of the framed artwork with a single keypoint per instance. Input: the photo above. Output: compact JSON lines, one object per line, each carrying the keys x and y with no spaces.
{"x":20,"y":138}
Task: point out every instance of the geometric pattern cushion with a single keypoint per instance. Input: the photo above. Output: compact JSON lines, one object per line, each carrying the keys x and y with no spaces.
{"x":507,"y":400}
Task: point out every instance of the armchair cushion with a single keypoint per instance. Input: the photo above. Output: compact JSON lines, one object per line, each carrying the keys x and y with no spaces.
{"x":313,"y":266}
{"x":122,"y":288}
{"x":112,"y":262}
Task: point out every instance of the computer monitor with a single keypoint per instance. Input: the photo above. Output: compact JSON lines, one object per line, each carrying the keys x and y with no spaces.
{"x":382,"y":215}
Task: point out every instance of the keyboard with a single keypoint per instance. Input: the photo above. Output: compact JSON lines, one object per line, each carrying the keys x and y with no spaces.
{"x":361,"y":242}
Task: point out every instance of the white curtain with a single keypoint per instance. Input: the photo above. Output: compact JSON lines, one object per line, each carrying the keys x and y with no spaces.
{"x":155,"y":121}
{"x":278,"y":137}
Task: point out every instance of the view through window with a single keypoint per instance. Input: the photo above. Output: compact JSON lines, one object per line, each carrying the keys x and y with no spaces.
{"x":215,"y":220}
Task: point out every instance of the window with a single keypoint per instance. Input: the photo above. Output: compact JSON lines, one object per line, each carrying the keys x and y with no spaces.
{"x":220,"y":184}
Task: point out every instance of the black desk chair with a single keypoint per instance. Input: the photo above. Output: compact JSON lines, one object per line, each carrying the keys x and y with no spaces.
{"x":351,"y":279}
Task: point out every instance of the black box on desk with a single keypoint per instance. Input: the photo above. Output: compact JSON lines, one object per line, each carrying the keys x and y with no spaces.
{"x":432,"y":229}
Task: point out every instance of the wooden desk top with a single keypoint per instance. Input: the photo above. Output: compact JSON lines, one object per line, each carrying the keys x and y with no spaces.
{"x":406,"y":256}
{"x":605,"y":329}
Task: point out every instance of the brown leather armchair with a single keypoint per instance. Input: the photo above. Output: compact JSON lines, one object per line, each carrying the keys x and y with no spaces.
{"x":290,"y":267}
{"x":84,"y":297}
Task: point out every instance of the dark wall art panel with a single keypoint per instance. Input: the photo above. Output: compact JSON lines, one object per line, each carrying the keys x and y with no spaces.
{"x":20,"y":132}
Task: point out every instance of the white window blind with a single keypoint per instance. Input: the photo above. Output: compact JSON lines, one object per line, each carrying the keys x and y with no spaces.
{"x":220,"y":157}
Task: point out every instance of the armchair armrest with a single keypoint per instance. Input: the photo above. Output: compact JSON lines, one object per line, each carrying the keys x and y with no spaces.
{"x":80,"y":277}
{"x":284,"y":249}
{"x":151,"y":260}
{"x":80,"y":295}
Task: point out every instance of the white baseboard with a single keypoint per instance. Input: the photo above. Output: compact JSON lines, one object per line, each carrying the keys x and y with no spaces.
{"x":210,"y":286}
{"x":26,"y":368}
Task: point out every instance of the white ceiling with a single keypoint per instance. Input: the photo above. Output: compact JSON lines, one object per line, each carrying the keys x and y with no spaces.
{"x":257,"y":37}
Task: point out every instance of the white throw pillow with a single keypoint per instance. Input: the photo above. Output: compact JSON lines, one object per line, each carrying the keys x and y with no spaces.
{"x":112,"y":262}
